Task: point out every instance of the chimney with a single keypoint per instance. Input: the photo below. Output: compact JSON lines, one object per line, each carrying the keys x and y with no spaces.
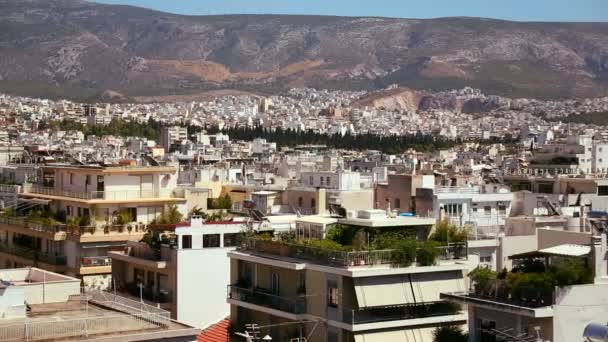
{"x":320,"y":200}
{"x":196,"y":222}
{"x":598,"y":252}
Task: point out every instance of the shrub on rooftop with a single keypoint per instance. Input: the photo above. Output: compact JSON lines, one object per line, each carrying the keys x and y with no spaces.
{"x":427,"y":253}
{"x":445,"y":232}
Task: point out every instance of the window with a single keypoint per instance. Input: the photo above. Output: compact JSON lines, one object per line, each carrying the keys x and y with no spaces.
{"x":602,"y":190}
{"x":397,"y":203}
{"x":327,"y":180}
{"x":301,"y":283}
{"x":453,"y":209}
{"x":211,"y":241}
{"x":186,"y":241}
{"x":311,"y":180}
{"x":487,"y":210}
{"x":486,"y":259}
{"x":502,"y":209}
{"x":300,"y":201}
{"x":231,"y":239}
{"x":332,"y":294}
{"x":138,"y":276}
{"x":68,"y":210}
{"x":71,"y":178}
{"x":274,"y":283}
{"x":322,"y":180}
{"x":313,"y":203}
{"x":87,"y":180}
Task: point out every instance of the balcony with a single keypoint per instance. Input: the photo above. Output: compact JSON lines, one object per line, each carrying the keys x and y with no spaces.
{"x":457,"y":190}
{"x":58,"y":231}
{"x":261,"y":297}
{"x":337,"y":258}
{"x":95,"y":261}
{"x":399,"y":312}
{"x":525,"y":297}
{"x":33,"y":254}
{"x":149,"y":294}
{"x":127,"y":195}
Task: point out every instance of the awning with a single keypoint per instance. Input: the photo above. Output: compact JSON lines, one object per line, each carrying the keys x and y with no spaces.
{"x":428,"y":286}
{"x":566,"y":250}
{"x":409,"y":335}
{"x":397,"y":289}
{"x":386,"y":290}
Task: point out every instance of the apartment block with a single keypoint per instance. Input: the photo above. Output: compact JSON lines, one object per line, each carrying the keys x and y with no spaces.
{"x":186,"y":275}
{"x":82,"y":213}
{"x":292,"y":290}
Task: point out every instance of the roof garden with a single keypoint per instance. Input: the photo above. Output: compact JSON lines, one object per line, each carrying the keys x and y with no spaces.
{"x":348,"y":245}
{"x":531,"y":284}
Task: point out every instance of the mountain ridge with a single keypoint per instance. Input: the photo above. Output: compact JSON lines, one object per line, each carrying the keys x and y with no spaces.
{"x":81,"y":49}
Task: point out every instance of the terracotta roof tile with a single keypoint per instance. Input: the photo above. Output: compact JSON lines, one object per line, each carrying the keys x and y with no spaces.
{"x":216,"y":333}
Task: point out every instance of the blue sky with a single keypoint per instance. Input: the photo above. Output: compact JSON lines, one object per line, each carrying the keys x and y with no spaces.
{"x":525,"y":10}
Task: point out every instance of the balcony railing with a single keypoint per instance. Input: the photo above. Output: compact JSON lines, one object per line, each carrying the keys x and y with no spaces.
{"x":399,"y":312}
{"x":32,"y":225}
{"x":528,"y":297}
{"x":263,"y":298}
{"x":96,"y":261}
{"x":149,"y":294}
{"x":341,"y":258}
{"x":104,"y":195}
{"x":33,"y":254}
{"x":457,"y":189}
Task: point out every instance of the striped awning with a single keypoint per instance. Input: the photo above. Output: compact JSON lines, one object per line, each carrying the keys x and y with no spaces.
{"x":407,"y":288}
{"x":405,"y":335}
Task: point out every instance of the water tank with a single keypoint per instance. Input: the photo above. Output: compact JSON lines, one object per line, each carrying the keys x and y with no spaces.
{"x":595,"y":332}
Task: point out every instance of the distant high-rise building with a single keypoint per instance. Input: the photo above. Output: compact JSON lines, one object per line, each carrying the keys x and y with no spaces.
{"x":172,"y":135}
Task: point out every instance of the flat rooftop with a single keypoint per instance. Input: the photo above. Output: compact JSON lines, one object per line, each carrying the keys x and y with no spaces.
{"x":93,"y":320}
{"x":399,"y":221}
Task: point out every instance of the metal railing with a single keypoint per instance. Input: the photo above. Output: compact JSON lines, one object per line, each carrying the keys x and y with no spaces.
{"x":33,"y":225}
{"x":529,"y":297}
{"x":10,"y":189}
{"x":104,"y":195}
{"x":263,"y":298}
{"x":124,"y":304}
{"x":149,"y":294}
{"x":399,"y":312}
{"x":96,"y":261}
{"x":33,"y":254}
{"x":458,"y":189}
{"x":82,"y":327}
{"x":456,"y":251}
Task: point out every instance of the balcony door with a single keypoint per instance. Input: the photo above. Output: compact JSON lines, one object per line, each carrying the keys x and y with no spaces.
{"x":147,"y":186}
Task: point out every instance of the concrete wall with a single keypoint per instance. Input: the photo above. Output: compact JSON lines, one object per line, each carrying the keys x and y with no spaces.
{"x":509,"y":245}
{"x":577,"y":306}
{"x":398,"y":187}
{"x":51,"y":292}
{"x":202,"y":277}
{"x":549,"y":238}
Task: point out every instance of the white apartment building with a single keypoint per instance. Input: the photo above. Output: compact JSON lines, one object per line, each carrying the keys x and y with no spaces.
{"x":187,"y":277}
{"x":480,"y":207}
{"x":172,"y":135}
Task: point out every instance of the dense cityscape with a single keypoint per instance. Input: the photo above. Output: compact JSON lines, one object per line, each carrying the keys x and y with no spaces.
{"x":180,"y":176}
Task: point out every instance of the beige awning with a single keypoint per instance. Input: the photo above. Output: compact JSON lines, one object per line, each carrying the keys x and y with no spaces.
{"x":385,"y":290}
{"x":408,"y":335}
{"x":428,"y":286}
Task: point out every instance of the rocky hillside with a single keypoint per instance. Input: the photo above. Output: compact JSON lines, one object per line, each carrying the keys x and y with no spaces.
{"x":79,"y":49}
